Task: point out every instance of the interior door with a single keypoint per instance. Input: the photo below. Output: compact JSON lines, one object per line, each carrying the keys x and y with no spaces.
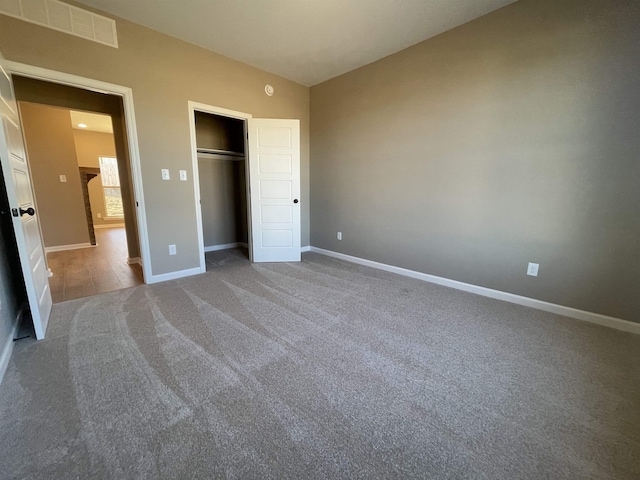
{"x":25,"y":221}
{"x":274,"y":179}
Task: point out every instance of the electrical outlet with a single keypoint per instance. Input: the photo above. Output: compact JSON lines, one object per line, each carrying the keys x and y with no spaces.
{"x":99,"y":215}
{"x":532,"y":269}
{"x":172,"y":249}
{"x":63,"y":178}
{"x":165,"y":174}
{"x":339,"y":235}
{"x":183,"y":175}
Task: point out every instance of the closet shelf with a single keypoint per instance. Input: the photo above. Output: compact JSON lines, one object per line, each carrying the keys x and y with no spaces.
{"x":213,"y":151}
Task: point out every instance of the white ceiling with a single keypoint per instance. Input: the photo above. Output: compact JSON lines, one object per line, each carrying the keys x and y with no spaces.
{"x":93,"y":121}
{"x":308,"y":41}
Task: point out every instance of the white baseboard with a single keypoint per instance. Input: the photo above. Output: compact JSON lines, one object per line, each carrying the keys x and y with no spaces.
{"x":612,"y":322}
{"x":73,"y":246}
{"x":7,"y":348}
{"x":109,"y":225}
{"x":224,"y":246}
{"x":131,"y":261}
{"x":163,"y":277}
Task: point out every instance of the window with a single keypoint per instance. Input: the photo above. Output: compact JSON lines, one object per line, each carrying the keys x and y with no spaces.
{"x":111,"y":187}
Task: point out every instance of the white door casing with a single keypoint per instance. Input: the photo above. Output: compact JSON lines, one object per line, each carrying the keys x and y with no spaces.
{"x":21,"y":201}
{"x":132,"y":136}
{"x":274,"y":176}
{"x":224,"y":112}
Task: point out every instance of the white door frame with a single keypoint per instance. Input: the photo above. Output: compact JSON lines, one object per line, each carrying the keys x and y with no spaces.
{"x":201,"y":107}
{"x":132,"y":137}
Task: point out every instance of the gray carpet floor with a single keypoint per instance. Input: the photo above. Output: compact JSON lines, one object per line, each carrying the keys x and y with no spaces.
{"x":319,"y":369}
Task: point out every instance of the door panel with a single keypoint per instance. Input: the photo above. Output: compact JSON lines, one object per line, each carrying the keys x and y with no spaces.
{"x":277,"y":238}
{"x":16,"y":146}
{"x":275,"y":163}
{"x":277,"y":214}
{"x":20,"y":194}
{"x":273,"y":136}
{"x":275,"y":189}
{"x":274,"y":177}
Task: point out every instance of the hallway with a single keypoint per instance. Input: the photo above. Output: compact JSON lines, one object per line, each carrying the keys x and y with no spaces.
{"x":88,"y":271}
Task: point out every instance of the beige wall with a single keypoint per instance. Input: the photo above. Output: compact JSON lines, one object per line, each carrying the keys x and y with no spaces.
{"x":52,"y":152}
{"x":90,"y":146}
{"x":165,"y":74}
{"x":513,"y":138}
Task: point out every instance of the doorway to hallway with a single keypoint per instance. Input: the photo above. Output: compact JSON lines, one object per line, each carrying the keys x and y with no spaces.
{"x":89,"y":271}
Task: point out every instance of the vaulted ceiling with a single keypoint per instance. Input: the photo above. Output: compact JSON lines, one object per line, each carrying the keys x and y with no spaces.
{"x":308,"y":41}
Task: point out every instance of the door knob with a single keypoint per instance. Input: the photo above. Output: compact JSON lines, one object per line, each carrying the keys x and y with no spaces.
{"x":29,"y":211}
{"x":295,"y":200}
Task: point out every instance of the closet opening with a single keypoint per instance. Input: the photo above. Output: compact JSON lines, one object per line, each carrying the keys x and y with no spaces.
{"x":221,"y":182}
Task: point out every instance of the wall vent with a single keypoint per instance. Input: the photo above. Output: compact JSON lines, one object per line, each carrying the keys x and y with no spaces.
{"x":64,"y":18}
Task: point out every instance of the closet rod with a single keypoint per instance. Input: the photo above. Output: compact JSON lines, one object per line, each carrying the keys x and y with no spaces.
{"x":220,"y":152}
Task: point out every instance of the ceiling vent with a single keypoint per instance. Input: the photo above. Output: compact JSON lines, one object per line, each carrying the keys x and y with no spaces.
{"x":64,"y":18}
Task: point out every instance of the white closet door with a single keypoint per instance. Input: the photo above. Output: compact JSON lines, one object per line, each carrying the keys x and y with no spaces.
{"x":274,"y":175}
{"x":25,"y":221}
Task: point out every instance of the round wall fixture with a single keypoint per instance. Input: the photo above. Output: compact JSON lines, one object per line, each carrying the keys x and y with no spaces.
{"x":268,"y":89}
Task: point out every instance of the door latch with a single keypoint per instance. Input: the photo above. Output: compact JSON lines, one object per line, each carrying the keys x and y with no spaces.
{"x":14,"y":212}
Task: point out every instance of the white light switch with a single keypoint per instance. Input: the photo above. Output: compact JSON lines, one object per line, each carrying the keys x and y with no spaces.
{"x":172,"y":249}
{"x":532,"y":270}
{"x":63,"y":178}
{"x":183,"y":175}
{"x":165,"y":174}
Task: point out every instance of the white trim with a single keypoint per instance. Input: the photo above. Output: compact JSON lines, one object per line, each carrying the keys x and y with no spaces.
{"x":7,"y":349}
{"x":109,"y":225}
{"x":163,"y":277}
{"x":194,"y":107}
{"x":305,"y":249}
{"x":224,"y":246}
{"x":131,"y":261}
{"x":132,"y":136}
{"x":71,"y":246}
{"x":604,"y":320}
{"x":225,"y":112}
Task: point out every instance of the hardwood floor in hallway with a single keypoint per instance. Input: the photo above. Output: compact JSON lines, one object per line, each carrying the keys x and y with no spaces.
{"x":88,"y":271}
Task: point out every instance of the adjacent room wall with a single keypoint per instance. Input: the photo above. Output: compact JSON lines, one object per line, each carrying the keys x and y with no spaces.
{"x":165,"y":74}
{"x":52,"y":152}
{"x":90,"y":146}
{"x":508,"y":140}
